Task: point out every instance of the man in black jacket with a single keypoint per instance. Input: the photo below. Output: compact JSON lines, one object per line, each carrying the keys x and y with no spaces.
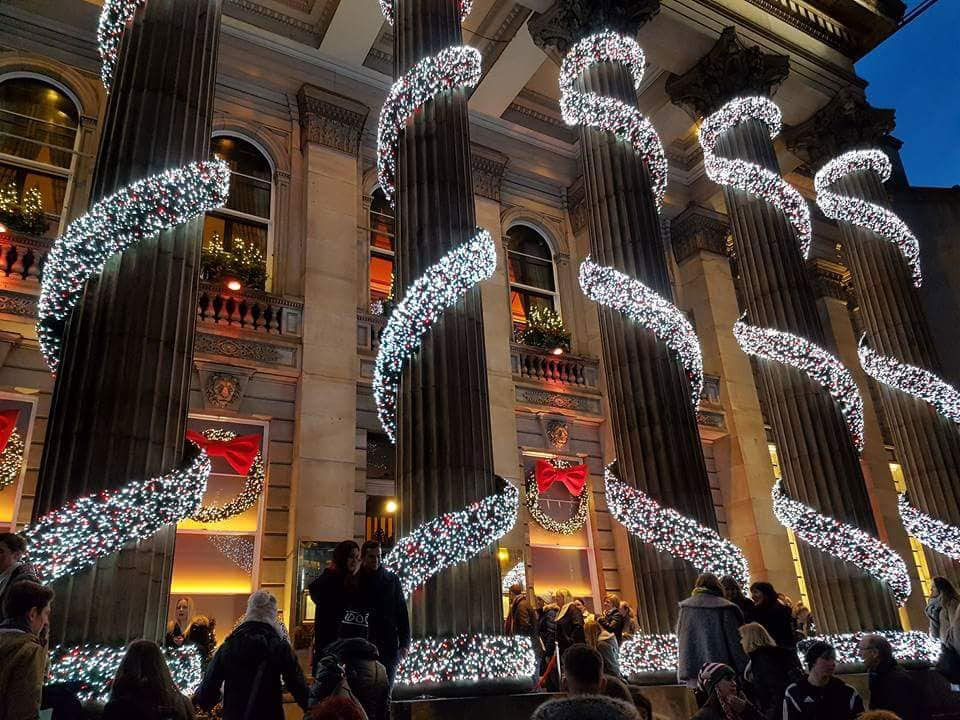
{"x":389,"y":623}
{"x":821,"y":695}
{"x":891,"y":687}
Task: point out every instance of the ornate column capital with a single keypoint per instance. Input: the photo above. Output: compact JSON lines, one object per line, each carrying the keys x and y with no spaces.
{"x":330,"y":119}
{"x":829,"y":279}
{"x":847,"y":122}
{"x":488,"y":167}
{"x":568,"y":21}
{"x":730,"y":69}
{"x":577,"y":205}
{"x":698,"y":228}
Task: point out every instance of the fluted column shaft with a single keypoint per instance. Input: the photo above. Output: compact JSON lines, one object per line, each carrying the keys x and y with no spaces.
{"x":120,"y":404}
{"x":927,"y":444}
{"x":654,"y":424}
{"x":445,"y":456}
{"x":818,"y":459}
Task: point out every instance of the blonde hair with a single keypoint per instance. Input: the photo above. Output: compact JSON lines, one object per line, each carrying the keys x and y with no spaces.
{"x":565,"y":595}
{"x":591,"y":633}
{"x":754,"y":635}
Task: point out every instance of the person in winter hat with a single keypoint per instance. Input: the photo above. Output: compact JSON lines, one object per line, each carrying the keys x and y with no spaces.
{"x":718,"y":683}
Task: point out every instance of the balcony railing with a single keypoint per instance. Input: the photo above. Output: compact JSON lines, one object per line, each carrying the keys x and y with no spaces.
{"x":535,"y":364}
{"x":250,"y":310}
{"x":22,"y":257}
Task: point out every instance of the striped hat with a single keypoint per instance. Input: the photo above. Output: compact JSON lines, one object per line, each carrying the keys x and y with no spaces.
{"x":712,"y":673}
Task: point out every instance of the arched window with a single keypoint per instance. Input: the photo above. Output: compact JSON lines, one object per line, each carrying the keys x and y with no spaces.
{"x":382,"y":247}
{"x":38,"y":139}
{"x":236,"y":237}
{"x":532,"y":279}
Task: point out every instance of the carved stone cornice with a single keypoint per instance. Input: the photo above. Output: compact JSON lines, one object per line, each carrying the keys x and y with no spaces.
{"x":488,"y":167}
{"x":330,"y":119}
{"x":829,"y":279}
{"x":729,"y":70}
{"x":845,"y":123}
{"x":698,"y":228}
{"x":577,"y":205}
{"x":568,"y":21}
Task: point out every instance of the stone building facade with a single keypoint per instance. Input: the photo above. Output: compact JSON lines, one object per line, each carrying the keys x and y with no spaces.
{"x":289,"y":358}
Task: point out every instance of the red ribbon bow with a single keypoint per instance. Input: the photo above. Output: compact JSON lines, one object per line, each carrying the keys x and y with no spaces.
{"x":573,"y":478}
{"x":239,"y":452}
{"x":8,"y":421}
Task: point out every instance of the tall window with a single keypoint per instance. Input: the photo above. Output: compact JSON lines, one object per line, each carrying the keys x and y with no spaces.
{"x":240,"y":230}
{"x":532,"y":281}
{"x":38,"y":137}
{"x":382,"y":247}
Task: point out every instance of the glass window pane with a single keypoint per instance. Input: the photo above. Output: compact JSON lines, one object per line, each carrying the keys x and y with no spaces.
{"x":37,"y":122}
{"x":251,"y":180}
{"x":382,"y":227}
{"x":522,"y":301}
{"x":381,"y":277}
{"x":528,"y":241}
{"x":53,"y":190}
{"x":249,"y":196}
{"x":528,"y":271}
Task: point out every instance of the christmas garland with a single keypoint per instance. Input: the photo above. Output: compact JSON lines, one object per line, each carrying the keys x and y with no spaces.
{"x":452,"y":538}
{"x":935,"y":534}
{"x":11,"y":460}
{"x":843,"y":541}
{"x":114,"y":18}
{"x":251,"y":491}
{"x":440,"y":287}
{"x":649,"y":654}
{"x":516,"y":574}
{"x":610,"y":287}
{"x":917,"y":382}
{"x":467,"y":658}
{"x":609,"y":113}
{"x":114,"y":224}
{"x":238,"y":549}
{"x":386,"y":7}
{"x":750,"y":177}
{"x":567,"y":527}
{"x":862,"y":213}
{"x":672,"y":533}
{"x":813,"y":360}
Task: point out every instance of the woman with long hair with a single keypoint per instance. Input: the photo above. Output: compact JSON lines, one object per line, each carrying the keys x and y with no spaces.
{"x":605,"y":643}
{"x":942,"y":608}
{"x":770,"y":670}
{"x":200,"y":634}
{"x":773,"y":614}
{"x":707,"y":631}
{"x":569,"y":620}
{"x":332,"y":592}
{"x":177,"y":628}
{"x":143,"y":688}
{"x":734,"y":593}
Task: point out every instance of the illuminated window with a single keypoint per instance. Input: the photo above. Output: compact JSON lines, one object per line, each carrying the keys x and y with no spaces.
{"x":919,"y":559}
{"x":38,"y":144}
{"x":532,"y":278}
{"x":382,"y":247}
{"x":791,"y":537}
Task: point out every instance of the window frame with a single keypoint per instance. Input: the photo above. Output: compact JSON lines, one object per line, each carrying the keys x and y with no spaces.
{"x":554,"y":294}
{"x":372,"y":250}
{"x":69,"y":172}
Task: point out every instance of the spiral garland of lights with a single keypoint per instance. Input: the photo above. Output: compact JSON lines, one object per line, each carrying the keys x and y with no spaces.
{"x":251,"y":491}
{"x":609,"y":113}
{"x":114,"y":18}
{"x":921,"y":384}
{"x":811,"y":359}
{"x":750,"y":177}
{"x":937,"y":535}
{"x":843,"y":541}
{"x":452,"y":538}
{"x":651,"y":311}
{"x":440,"y":287}
{"x":862,"y":213}
{"x":116,"y":223}
{"x":675,"y":534}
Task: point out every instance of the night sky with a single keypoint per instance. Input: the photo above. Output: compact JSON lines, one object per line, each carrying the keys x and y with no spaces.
{"x":917,"y":72}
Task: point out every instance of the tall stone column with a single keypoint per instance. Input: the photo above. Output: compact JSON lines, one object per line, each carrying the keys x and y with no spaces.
{"x":654,"y":425}
{"x":120,"y":403}
{"x":819,"y":462}
{"x":444,"y":446}
{"x":927,"y":445}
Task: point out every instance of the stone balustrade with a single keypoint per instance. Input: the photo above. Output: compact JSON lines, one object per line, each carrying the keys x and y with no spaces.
{"x":369,"y":327}
{"x":538,"y":365}
{"x":251,"y":310}
{"x":22,"y":257}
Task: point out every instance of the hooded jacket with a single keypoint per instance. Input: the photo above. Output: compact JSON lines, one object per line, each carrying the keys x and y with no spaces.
{"x":547,"y":628}
{"x":23,"y":661}
{"x":235,"y":666}
{"x":708,"y":630}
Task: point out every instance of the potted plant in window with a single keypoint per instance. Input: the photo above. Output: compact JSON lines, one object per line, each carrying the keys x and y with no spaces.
{"x":22,"y":214}
{"x":242,"y":266}
{"x":545,"y":330}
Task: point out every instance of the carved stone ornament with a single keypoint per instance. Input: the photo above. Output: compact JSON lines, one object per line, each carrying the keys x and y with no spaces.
{"x":222,"y":386}
{"x":845,"y":123}
{"x":829,"y":279}
{"x":488,"y":167}
{"x":330,"y":119}
{"x":558,"y":434}
{"x":698,"y":228}
{"x":222,"y":389}
{"x":729,"y":70}
{"x":569,"y":21}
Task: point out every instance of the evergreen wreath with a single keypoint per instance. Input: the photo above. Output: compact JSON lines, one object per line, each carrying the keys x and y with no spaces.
{"x":566,"y":527}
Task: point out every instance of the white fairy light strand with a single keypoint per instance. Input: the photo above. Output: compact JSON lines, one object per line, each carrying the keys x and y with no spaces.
{"x":649,"y":654}
{"x":750,"y":177}
{"x":934,"y":534}
{"x":843,"y":541}
{"x":452,"y":538}
{"x":238,"y":549}
{"x":611,"y":288}
{"x":863,"y":213}
{"x":114,"y":224}
{"x":11,"y":460}
{"x":452,"y":67}
{"x":114,"y":19}
{"x":467,"y":658}
{"x":670,"y":532}
{"x":73,"y":537}
{"x":386,"y":7}
{"x":813,"y":360}
{"x":248,"y":495}
{"x":440,"y":287}
{"x":95,"y":666}
{"x":610,"y":113}
{"x":917,"y":382}
{"x":516,"y":574}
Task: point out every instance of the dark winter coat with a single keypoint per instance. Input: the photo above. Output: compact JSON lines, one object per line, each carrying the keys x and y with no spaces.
{"x":585,"y":707}
{"x":708,"y":630}
{"x":174,"y":632}
{"x":365,"y":674}
{"x":612,"y":621}
{"x":747,"y":606}
{"x":331,"y":597}
{"x":834,"y":701}
{"x":235,"y":667}
{"x":770,"y":671}
{"x":778,"y":620}
{"x":130,"y":709}
{"x":389,"y":622}
{"x":569,"y":627}
{"x":892,"y":688}
{"x":547,"y":628}
{"x":522,"y":618}
{"x":609,"y":650}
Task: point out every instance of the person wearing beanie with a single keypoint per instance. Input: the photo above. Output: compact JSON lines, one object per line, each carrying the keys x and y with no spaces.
{"x":718,"y":684}
{"x":253,"y":666}
{"x":821,"y":694}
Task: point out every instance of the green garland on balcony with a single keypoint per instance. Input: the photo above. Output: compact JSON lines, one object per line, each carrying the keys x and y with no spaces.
{"x":244,"y":262}
{"x":545,"y":330}
{"x":23,"y":214}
